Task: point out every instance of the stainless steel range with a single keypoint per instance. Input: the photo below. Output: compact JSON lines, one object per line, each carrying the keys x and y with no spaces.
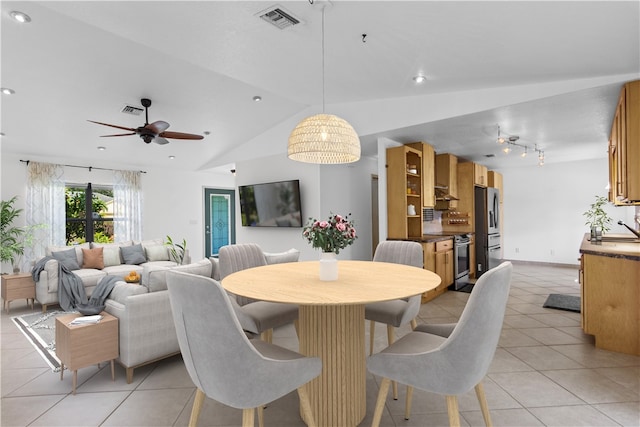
{"x":461,"y":252}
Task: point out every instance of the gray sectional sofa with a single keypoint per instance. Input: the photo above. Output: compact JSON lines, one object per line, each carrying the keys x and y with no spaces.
{"x":94,"y":261}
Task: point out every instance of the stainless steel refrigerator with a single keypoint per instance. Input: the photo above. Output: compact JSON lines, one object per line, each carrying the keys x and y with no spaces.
{"x":487,"y":229}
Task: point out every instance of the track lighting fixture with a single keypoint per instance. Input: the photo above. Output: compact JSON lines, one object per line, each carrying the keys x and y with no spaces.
{"x":512,"y":140}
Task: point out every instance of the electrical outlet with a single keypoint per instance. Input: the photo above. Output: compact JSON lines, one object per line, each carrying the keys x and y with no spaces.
{"x":553,"y":252}
{"x":517,"y":250}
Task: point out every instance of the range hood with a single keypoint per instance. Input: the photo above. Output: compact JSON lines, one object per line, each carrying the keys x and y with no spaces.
{"x":443,"y":198}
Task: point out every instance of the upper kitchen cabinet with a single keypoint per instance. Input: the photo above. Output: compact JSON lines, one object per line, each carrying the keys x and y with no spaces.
{"x":446,"y":176}
{"x":465,"y":206}
{"x":480,"y":175}
{"x":428,"y":173}
{"x":495,"y":181}
{"x":624,"y":148}
{"x":404,"y":192}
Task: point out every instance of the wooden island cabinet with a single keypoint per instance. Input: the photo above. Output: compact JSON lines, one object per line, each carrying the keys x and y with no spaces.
{"x":610,"y":294}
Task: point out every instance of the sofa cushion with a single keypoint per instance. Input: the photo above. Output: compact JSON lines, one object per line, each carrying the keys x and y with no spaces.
{"x":90,"y":277}
{"x":92,"y":258}
{"x":78,"y":248}
{"x":122,"y":290}
{"x":133,"y":255}
{"x":111,"y":252}
{"x":157,"y":253}
{"x":68,"y":258}
{"x":154,"y":277}
{"x":122,"y":270}
{"x":292,"y":255}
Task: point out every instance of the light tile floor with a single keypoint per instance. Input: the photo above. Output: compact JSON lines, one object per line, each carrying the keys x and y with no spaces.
{"x":545,"y":372}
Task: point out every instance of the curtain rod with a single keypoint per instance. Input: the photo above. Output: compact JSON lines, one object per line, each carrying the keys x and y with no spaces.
{"x":83,"y":167}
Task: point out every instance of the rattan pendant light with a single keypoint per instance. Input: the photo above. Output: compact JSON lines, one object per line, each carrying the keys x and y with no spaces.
{"x":324,"y":138}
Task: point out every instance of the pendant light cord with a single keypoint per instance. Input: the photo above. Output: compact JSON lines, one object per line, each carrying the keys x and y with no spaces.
{"x":323,"y":102}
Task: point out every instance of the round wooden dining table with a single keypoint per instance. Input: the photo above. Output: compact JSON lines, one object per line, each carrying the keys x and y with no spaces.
{"x":331,"y":321}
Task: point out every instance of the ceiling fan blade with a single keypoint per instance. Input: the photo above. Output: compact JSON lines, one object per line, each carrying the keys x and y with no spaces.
{"x":118,"y":134}
{"x":160,"y":140}
{"x":113,"y":126}
{"x":157,"y":127}
{"x":180,"y":135}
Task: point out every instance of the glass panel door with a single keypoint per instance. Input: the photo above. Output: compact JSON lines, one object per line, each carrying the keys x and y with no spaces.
{"x":220,"y":223}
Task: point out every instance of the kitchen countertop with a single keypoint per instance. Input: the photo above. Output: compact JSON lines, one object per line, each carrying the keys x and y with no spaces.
{"x":434,"y":237}
{"x":616,"y":249}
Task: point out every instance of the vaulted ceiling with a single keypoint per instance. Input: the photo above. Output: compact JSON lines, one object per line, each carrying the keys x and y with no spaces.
{"x":202,"y":62}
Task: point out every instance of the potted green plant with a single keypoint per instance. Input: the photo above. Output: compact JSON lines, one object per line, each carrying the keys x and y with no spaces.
{"x":598,"y":219}
{"x":178,"y":251}
{"x":14,"y":238}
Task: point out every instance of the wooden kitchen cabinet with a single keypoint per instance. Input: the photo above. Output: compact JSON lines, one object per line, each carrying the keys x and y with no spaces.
{"x":428,"y":173}
{"x":624,"y":148}
{"x":444,"y":261}
{"x":446,"y":177}
{"x":495,"y":181}
{"x":438,"y":257}
{"x":404,"y":189}
{"x":610,"y":300}
{"x":480,"y":175}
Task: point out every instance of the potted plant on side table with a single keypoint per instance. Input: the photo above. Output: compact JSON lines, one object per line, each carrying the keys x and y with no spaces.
{"x":598,"y":219}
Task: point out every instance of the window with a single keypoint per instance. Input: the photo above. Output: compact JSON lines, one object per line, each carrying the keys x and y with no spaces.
{"x":89,"y":213}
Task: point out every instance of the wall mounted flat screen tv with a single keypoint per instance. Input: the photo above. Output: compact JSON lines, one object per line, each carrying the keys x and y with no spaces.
{"x":272,"y":204}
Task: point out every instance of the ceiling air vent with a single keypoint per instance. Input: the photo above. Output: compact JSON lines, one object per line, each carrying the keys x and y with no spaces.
{"x":132,"y":109}
{"x":277,"y":16}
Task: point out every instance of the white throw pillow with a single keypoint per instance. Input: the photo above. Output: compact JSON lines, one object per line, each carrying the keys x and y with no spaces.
{"x":291,"y":255}
{"x":157,"y":253}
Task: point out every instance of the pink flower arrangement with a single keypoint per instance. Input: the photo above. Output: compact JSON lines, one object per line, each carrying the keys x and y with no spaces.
{"x":332,"y":235}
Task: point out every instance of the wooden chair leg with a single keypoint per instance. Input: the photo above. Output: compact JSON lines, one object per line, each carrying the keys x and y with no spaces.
{"x":390,"y":339}
{"x":452,"y":409}
{"x":482,"y":399}
{"x":260,"y":410}
{"x":248,"y":417}
{"x":372,"y":334}
{"x":382,"y":397}
{"x":267,"y":336}
{"x":129,"y":375}
{"x":197,"y":406}
{"x":305,"y":405}
{"x":414,"y":324}
{"x":407,"y":403}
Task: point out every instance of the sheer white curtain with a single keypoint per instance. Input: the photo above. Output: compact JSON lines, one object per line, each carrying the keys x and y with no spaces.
{"x":127,"y":206}
{"x":44,"y":205}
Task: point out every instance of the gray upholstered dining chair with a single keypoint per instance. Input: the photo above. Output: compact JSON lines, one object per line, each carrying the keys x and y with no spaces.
{"x":398,"y":312}
{"x":222,"y":362}
{"x":257,"y":317}
{"x":449,"y":359}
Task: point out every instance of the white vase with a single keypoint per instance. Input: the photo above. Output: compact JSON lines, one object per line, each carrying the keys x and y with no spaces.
{"x":328,"y":266}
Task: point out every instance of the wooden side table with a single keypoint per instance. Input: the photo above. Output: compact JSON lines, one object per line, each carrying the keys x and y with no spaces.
{"x":79,"y":346}
{"x":18,"y":286}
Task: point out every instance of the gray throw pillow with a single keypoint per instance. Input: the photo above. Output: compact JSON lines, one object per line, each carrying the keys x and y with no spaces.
{"x":67,"y":258}
{"x":133,"y":255}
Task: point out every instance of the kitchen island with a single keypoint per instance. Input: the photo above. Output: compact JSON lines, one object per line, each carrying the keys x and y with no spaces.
{"x":610,"y":292}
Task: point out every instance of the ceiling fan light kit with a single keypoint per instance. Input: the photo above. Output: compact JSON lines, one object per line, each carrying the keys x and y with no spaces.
{"x":324,"y":138}
{"x":156,"y":131}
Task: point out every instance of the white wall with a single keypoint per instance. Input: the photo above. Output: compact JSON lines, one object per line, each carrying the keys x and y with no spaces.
{"x":340,"y":189}
{"x":543,"y":209}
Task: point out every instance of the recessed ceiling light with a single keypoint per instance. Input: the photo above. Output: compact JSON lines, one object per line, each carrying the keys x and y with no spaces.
{"x":257,"y":98}
{"x":172,"y":157}
{"x":21,"y":17}
{"x":419,"y":78}
{"x":101,"y":148}
{"x":7,"y":91}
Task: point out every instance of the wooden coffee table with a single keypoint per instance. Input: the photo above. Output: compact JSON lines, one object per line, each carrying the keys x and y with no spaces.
{"x":17,"y":286}
{"x":79,"y":346}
